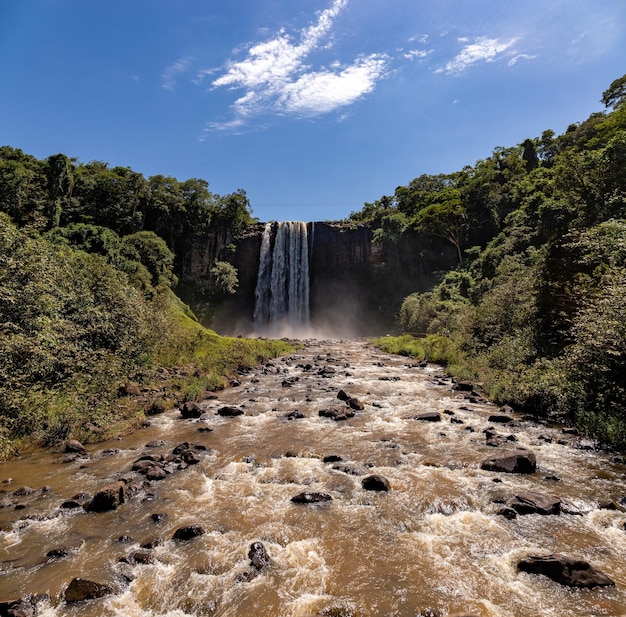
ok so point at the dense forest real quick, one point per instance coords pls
(535, 310)
(87, 266)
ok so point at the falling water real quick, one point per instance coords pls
(282, 290)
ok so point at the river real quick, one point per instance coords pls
(436, 539)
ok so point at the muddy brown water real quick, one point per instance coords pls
(434, 540)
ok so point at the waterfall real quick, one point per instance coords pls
(282, 288)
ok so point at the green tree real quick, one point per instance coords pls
(224, 277)
(446, 218)
(615, 95)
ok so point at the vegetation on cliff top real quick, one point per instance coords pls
(536, 309)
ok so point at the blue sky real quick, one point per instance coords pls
(313, 107)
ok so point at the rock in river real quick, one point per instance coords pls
(565, 570)
(80, 589)
(308, 497)
(512, 461)
(375, 483)
(107, 498)
(529, 502)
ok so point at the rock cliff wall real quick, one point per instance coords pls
(356, 287)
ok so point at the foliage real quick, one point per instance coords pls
(537, 309)
(225, 277)
(73, 328)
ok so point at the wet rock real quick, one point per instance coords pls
(337, 414)
(125, 539)
(376, 482)
(355, 403)
(509, 513)
(23, 491)
(74, 446)
(428, 612)
(529, 502)
(70, 504)
(150, 544)
(294, 415)
(155, 473)
(246, 576)
(139, 558)
(332, 458)
(155, 443)
(493, 439)
(190, 411)
(565, 571)
(258, 556)
(311, 497)
(500, 418)
(187, 533)
(463, 386)
(57, 553)
(287, 383)
(107, 498)
(429, 416)
(142, 465)
(229, 411)
(351, 470)
(80, 589)
(23, 607)
(512, 461)
(342, 395)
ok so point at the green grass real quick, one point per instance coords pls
(432, 348)
(90, 408)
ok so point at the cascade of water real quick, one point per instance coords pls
(282, 289)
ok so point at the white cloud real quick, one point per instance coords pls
(171, 72)
(417, 53)
(515, 59)
(274, 76)
(483, 49)
(322, 92)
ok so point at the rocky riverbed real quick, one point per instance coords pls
(339, 481)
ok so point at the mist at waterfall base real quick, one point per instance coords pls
(283, 289)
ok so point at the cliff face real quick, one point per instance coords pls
(356, 287)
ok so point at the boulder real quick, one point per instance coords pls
(512, 461)
(565, 571)
(107, 498)
(429, 416)
(74, 446)
(81, 589)
(500, 418)
(342, 396)
(337, 414)
(258, 556)
(332, 458)
(190, 410)
(375, 483)
(187, 533)
(493, 439)
(529, 502)
(23, 607)
(355, 403)
(155, 472)
(311, 497)
(463, 386)
(294, 415)
(229, 411)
